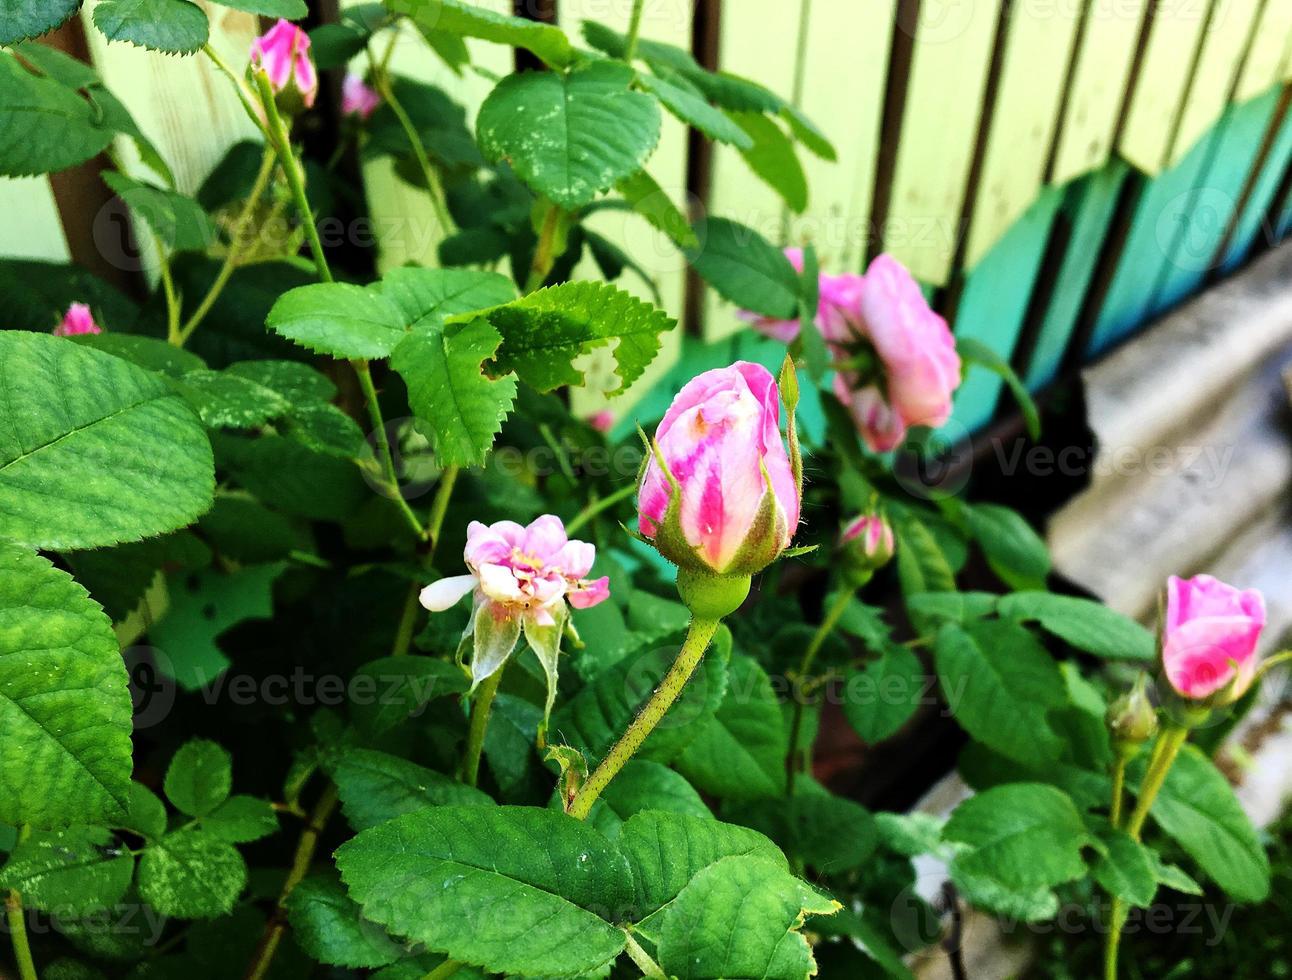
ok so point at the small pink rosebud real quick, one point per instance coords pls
(837, 307)
(358, 98)
(603, 421)
(283, 54)
(1209, 638)
(729, 500)
(867, 543)
(76, 321)
(522, 578)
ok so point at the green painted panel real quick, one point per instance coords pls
(995, 302)
(1089, 205)
(1209, 212)
(1251, 223)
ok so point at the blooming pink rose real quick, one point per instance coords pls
(283, 53)
(917, 354)
(721, 442)
(522, 578)
(357, 97)
(77, 320)
(1209, 637)
(837, 307)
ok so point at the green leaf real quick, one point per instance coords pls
(331, 928)
(124, 458)
(44, 126)
(1000, 683)
(1173, 877)
(226, 401)
(882, 696)
(69, 872)
(570, 136)
(389, 691)
(146, 814)
(613, 43)
(976, 352)
(63, 699)
(544, 332)
(447, 387)
(1127, 871)
(173, 26)
(199, 777)
(922, 566)
(827, 832)
(644, 785)
(745, 268)
(956, 607)
(740, 917)
(667, 850)
(299, 383)
(648, 199)
(1024, 839)
(512, 889)
(732, 91)
(771, 156)
(1087, 625)
(688, 105)
(740, 753)
(177, 220)
(340, 319)
(287, 475)
(21, 19)
(374, 787)
(1197, 807)
(1015, 552)
(910, 834)
(147, 352)
(428, 297)
(241, 820)
(325, 429)
(191, 875)
(806, 132)
(549, 43)
(286, 9)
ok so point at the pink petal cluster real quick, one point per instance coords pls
(522, 578)
(1210, 635)
(76, 321)
(283, 53)
(603, 421)
(871, 535)
(721, 442)
(358, 98)
(883, 316)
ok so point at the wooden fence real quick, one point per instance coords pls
(1057, 172)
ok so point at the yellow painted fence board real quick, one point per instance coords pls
(1038, 47)
(953, 46)
(1266, 57)
(32, 228)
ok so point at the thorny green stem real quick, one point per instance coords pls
(832, 617)
(248, 103)
(384, 455)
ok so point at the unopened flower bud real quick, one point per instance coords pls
(283, 54)
(1132, 719)
(867, 545)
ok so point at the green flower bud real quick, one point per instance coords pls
(1132, 719)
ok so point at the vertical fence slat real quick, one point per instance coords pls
(1227, 39)
(843, 75)
(669, 21)
(1251, 223)
(953, 48)
(758, 41)
(1098, 86)
(1089, 206)
(995, 300)
(1173, 40)
(1037, 50)
(31, 227)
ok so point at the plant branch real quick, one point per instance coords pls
(481, 709)
(18, 936)
(239, 86)
(697, 640)
(172, 298)
(598, 507)
(634, 29)
(544, 259)
(642, 959)
(384, 455)
(241, 228)
(832, 617)
(445, 969)
(1119, 790)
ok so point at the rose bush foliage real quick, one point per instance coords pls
(223, 503)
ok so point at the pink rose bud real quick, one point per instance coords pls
(868, 545)
(1209, 638)
(357, 97)
(283, 54)
(522, 578)
(837, 308)
(918, 368)
(603, 421)
(76, 321)
(720, 494)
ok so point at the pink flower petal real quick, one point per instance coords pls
(446, 593)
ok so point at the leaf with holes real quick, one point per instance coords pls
(44, 125)
(171, 26)
(340, 319)
(514, 889)
(544, 332)
(744, 267)
(471, 20)
(63, 698)
(570, 136)
(21, 19)
(447, 387)
(93, 451)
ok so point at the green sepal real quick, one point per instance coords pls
(709, 595)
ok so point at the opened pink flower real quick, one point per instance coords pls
(1210, 637)
(283, 53)
(76, 321)
(722, 444)
(358, 98)
(522, 578)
